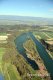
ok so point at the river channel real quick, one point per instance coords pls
(48, 62)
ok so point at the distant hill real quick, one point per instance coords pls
(25, 20)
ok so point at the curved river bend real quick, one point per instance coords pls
(19, 43)
(48, 62)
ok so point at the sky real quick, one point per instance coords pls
(33, 8)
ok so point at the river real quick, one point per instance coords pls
(19, 43)
(48, 62)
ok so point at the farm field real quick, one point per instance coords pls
(50, 34)
(44, 35)
(2, 52)
(41, 35)
(6, 69)
(11, 72)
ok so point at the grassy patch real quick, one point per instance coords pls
(49, 34)
(13, 74)
(41, 34)
(3, 33)
(2, 51)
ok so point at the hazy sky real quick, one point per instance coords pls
(35, 8)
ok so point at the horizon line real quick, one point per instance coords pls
(27, 16)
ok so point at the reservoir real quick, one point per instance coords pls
(48, 62)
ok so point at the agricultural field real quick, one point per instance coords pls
(2, 48)
(50, 34)
(40, 35)
(11, 72)
(7, 70)
(45, 34)
(3, 38)
(2, 52)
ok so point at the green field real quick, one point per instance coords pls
(50, 34)
(12, 73)
(2, 33)
(41, 34)
(2, 51)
